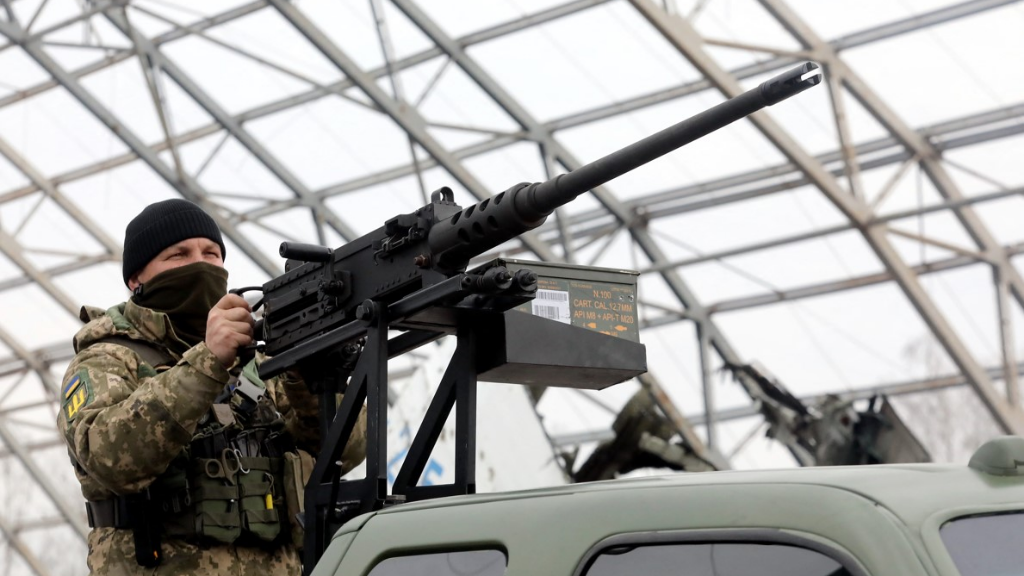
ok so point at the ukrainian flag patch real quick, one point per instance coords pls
(76, 394)
(72, 386)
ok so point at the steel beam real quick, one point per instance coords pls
(14, 252)
(1006, 337)
(846, 145)
(707, 381)
(964, 126)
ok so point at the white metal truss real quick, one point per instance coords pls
(837, 173)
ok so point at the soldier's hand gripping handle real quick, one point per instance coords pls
(228, 327)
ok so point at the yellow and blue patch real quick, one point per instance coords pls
(76, 394)
(72, 386)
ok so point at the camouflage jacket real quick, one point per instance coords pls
(125, 421)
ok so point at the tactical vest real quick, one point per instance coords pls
(234, 483)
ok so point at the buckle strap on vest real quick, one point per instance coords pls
(122, 512)
(111, 513)
(150, 353)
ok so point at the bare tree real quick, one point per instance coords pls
(951, 423)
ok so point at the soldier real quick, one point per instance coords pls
(188, 461)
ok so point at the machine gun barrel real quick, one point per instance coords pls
(524, 207)
(321, 290)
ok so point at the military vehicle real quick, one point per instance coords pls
(881, 520)
(333, 315)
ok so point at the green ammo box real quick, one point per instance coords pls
(599, 299)
(580, 331)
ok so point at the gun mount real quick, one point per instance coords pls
(410, 275)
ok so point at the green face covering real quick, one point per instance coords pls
(186, 294)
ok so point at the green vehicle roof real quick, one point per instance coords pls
(911, 491)
(886, 517)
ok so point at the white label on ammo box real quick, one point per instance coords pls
(552, 304)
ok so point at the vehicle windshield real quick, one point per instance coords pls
(986, 545)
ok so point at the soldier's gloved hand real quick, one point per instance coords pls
(228, 326)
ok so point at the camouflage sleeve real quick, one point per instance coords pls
(300, 409)
(355, 450)
(124, 428)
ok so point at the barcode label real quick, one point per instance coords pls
(546, 311)
(552, 304)
(555, 295)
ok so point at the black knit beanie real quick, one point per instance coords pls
(161, 225)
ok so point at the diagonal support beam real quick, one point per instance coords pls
(685, 38)
(1006, 337)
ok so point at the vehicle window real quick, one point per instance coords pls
(732, 559)
(465, 563)
(986, 545)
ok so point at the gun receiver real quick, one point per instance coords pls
(322, 289)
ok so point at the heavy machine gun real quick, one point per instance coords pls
(411, 275)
